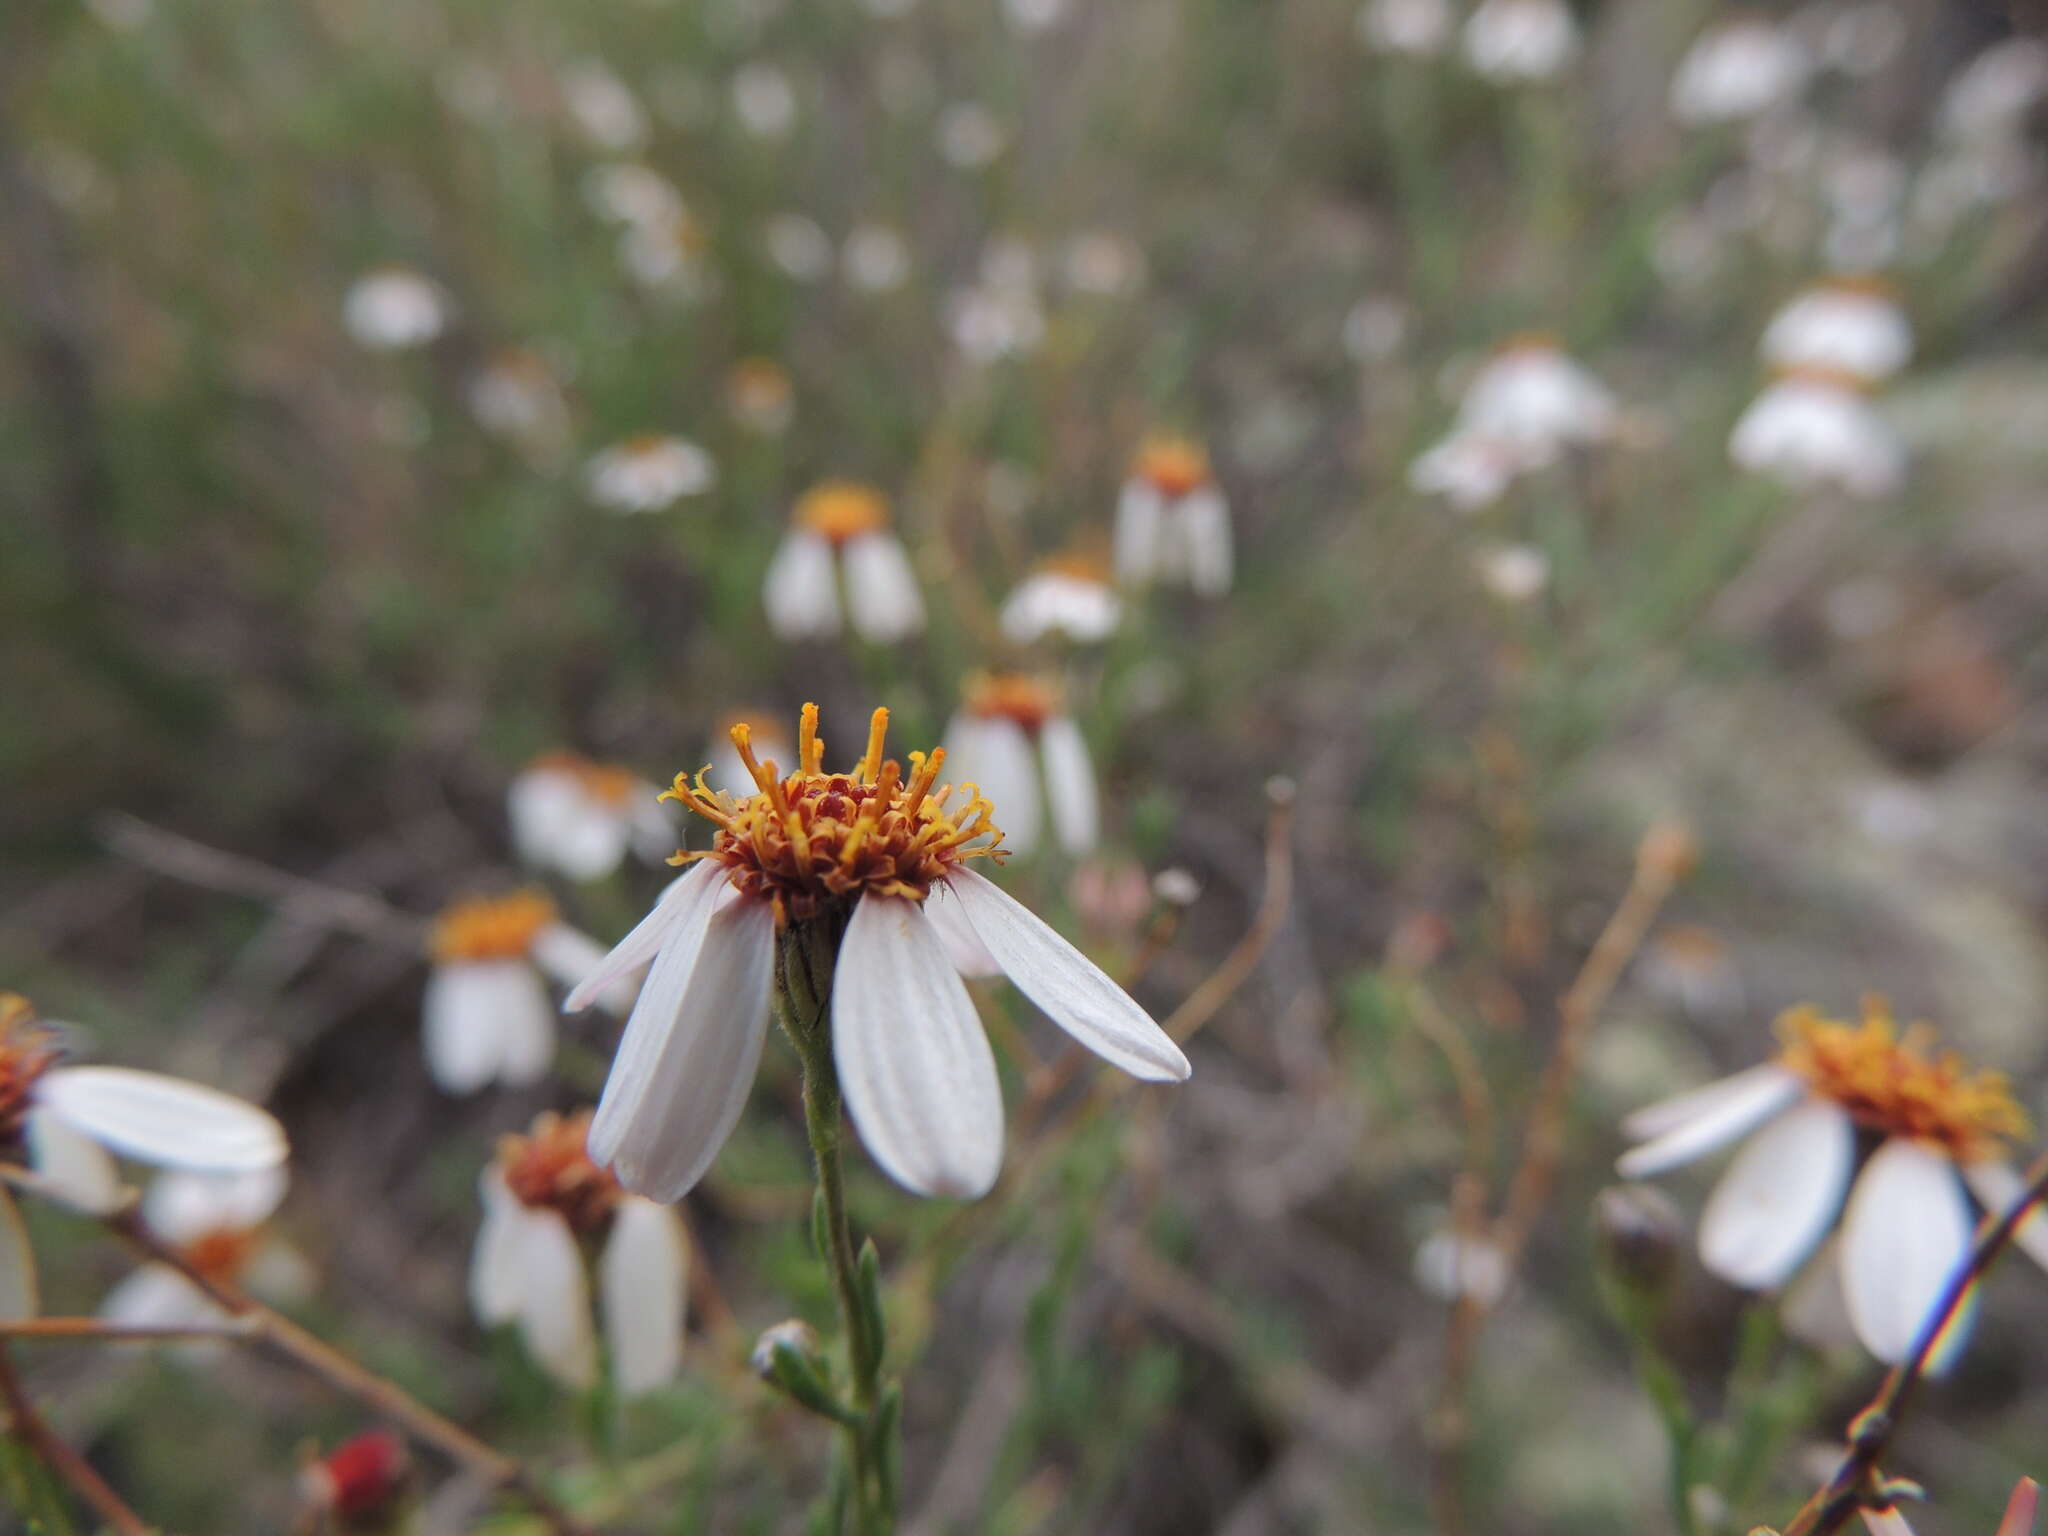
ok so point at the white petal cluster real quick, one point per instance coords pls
(1521, 40)
(814, 586)
(394, 308)
(1080, 608)
(561, 822)
(646, 474)
(1838, 328)
(1175, 540)
(1033, 774)
(1817, 432)
(1737, 70)
(1524, 407)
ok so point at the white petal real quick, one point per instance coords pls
(1886, 1522)
(566, 957)
(1653, 1120)
(1202, 522)
(1906, 1232)
(881, 589)
(526, 1047)
(643, 1281)
(1072, 990)
(496, 1279)
(1139, 512)
(798, 591)
(540, 805)
(157, 1296)
(78, 1169)
(672, 1105)
(650, 826)
(478, 1022)
(554, 1300)
(1779, 1197)
(1069, 785)
(1720, 1113)
(686, 899)
(589, 844)
(17, 1265)
(915, 1065)
(182, 1207)
(964, 948)
(1998, 1187)
(996, 757)
(166, 1120)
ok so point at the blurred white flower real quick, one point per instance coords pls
(648, 473)
(1012, 740)
(1514, 573)
(1102, 264)
(760, 396)
(1991, 96)
(1531, 392)
(666, 254)
(1471, 469)
(216, 1223)
(989, 323)
(1852, 327)
(839, 538)
(392, 308)
(604, 110)
(1510, 40)
(1070, 595)
(1812, 430)
(629, 193)
(543, 1199)
(799, 247)
(1172, 521)
(1739, 69)
(1033, 15)
(1421, 27)
(970, 137)
(1177, 887)
(1907, 1224)
(1458, 1268)
(486, 1015)
(875, 258)
(580, 818)
(123, 15)
(764, 101)
(516, 395)
(915, 1067)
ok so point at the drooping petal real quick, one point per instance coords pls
(1140, 510)
(1072, 990)
(882, 596)
(157, 1296)
(685, 900)
(643, 1281)
(182, 1207)
(1653, 1120)
(663, 1130)
(496, 1280)
(77, 1169)
(540, 805)
(166, 1120)
(1069, 785)
(1906, 1232)
(1779, 1196)
(964, 948)
(589, 843)
(526, 1046)
(798, 591)
(477, 1016)
(919, 1077)
(1998, 1187)
(17, 1265)
(564, 955)
(1723, 1115)
(1202, 525)
(995, 756)
(554, 1300)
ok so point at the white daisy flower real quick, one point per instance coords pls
(1532, 393)
(667, 254)
(1172, 522)
(393, 308)
(883, 862)
(1851, 326)
(875, 258)
(1514, 573)
(517, 396)
(602, 106)
(1739, 69)
(991, 321)
(547, 1209)
(1813, 429)
(1071, 595)
(1511, 40)
(1907, 1225)
(764, 101)
(486, 1015)
(799, 246)
(648, 473)
(581, 818)
(760, 396)
(970, 136)
(840, 549)
(1472, 469)
(1418, 27)
(624, 192)
(1012, 739)
(1029, 16)
(216, 1223)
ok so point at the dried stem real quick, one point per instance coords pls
(54, 1452)
(1836, 1502)
(99, 1330)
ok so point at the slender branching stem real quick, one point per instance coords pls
(33, 1431)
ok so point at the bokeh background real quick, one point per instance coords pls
(313, 603)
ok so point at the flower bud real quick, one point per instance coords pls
(1638, 1233)
(788, 1357)
(362, 1483)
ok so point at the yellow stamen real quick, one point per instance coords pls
(871, 760)
(810, 751)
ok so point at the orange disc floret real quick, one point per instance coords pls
(490, 927)
(1173, 466)
(810, 840)
(841, 510)
(1895, 1084)
(549, 1168)
(1022, 697)
(26, 1053)
(1077, 565)
(221, 1255)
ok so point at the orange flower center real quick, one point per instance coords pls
(841, 510)
(1029, 701)
(1829, 378)
(1077, 565)
(810, 840)
(26, 1053)
(490, 927)
(1173, 466)
(759, 384)
(549, 1168)
(221, 1255)
(1894, 1084)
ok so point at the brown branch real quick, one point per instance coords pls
(54, 1452)
(1836, 1502)
(99, 1330)
(339, 1371)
